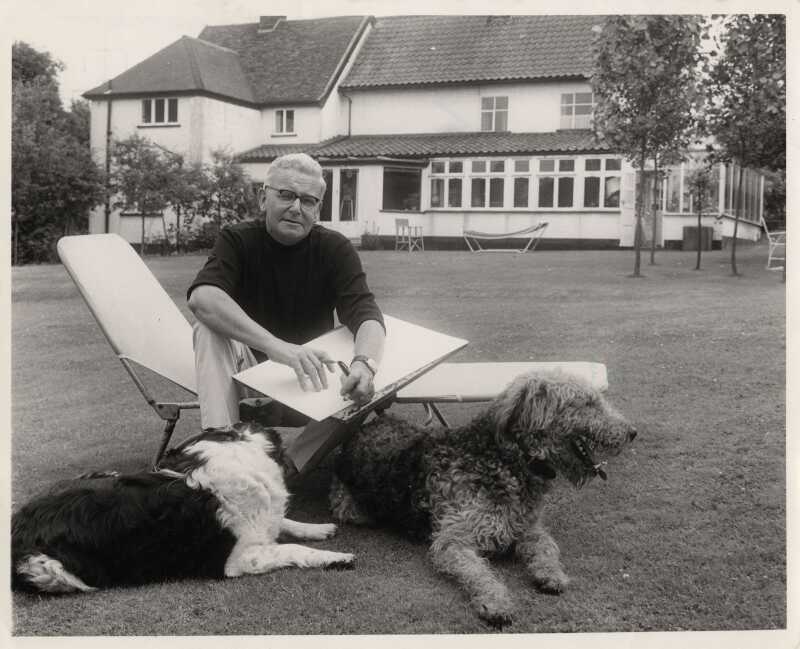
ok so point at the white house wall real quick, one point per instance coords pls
(533, 107)
(307, 125)
(228, 126)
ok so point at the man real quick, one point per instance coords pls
(268, 288)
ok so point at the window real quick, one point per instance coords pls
(401, 188)
(599, 188)
(284, 122)
(447, 183)
(161, 110)
(494, 113)
(576, 109)
(577, 182)
(558, 186)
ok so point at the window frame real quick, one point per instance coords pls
(569, 124)
(151, 111)
(280, 120)
(514, 169)
(493, 113)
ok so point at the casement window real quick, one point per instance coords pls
(556, 182)
(576, 109)
(401, 188)
(532, 184)
(487, 183)
(160, 110)
(284, 122)
(601, 182)
(494, 113)
(447, 183)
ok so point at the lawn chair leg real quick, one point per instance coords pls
(165, 437)
(430, 411)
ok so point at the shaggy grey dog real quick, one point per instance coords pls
(478, 490)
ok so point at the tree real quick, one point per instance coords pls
(79, 121)
(699, 180)
(645, 81)
(29, 65)
(232, 198)
(54, 181)
(746, 91)
(143, 175)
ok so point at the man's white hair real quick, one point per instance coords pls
(298, 161)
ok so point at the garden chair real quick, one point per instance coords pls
(408, 236)
(777, 244)
(532, 236)
(146, 329)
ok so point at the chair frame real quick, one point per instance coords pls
(776, 240)
(534, 234)
(408, 236)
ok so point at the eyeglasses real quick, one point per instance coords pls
(307, 202)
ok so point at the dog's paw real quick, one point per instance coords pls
(496, 612)
(321, 531)
(552, 582)
(347, 562)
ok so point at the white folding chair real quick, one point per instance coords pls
(408, 236)
(777, 241)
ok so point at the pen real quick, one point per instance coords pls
(344, 368)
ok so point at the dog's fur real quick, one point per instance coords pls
(214, 509)
(478, 490)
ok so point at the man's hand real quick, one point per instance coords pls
(357, 385)
(309, 364)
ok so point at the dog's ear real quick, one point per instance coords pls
(525, 405)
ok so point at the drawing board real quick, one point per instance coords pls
(409, 351)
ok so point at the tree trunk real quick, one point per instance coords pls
(737, 209)
(15, 236)
(166, 236)
(637, 236)
(699, 232)
(656, 184)
(178, 231)
(141, 251)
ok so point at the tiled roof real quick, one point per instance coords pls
(188, 64)
(425, 145)
(415, 50)
(297, 62)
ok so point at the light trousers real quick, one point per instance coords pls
(217, 359)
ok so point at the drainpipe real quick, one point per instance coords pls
(349, 111)
(108, 163)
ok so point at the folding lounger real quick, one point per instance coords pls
(533, 234)
(145, 328)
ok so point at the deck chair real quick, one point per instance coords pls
(143, 325)
(145, 328)
(532, 236)
(407, 236)
(777, 245)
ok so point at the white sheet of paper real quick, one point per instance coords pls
(408, 348)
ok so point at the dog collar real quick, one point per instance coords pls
(579, 444)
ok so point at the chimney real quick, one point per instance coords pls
(268, 23)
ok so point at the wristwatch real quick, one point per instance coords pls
(372, 366)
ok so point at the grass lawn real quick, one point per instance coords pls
(687, 534)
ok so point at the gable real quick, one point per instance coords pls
(296, 62)
(415, 50)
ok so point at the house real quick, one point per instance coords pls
(455, 122)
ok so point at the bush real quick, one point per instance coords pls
(371, 241)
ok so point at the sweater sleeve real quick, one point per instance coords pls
(223, 268)
(355, 303)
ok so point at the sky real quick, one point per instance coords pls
(99, 39)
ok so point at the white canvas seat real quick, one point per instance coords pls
(408, 236)
(532, 236)
(142, 323)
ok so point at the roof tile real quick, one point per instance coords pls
(424, 145)
(413, 50)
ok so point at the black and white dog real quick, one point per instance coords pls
(214, 509)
